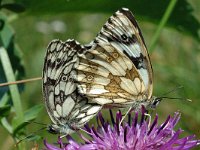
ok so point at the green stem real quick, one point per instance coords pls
(13, 88)
(162, 24)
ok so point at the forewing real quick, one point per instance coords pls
(117, 68)
(64, 105)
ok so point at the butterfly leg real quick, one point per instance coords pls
(130, 108)
(148, 115)
(62, 136)
(85, 131)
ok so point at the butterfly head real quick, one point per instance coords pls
(59, 129)
(155, 101)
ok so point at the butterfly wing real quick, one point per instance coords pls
(117, 68)
(64, 105)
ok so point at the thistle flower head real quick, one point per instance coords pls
(137, 133)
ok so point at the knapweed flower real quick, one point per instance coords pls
(137, 133)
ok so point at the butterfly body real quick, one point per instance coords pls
(113, 71)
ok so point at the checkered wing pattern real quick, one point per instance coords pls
(67, 109)
(116, 70)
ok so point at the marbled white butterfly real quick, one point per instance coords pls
(115, 70)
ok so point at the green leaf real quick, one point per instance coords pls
(6, 125)
(7, 41)
(4, 100)
(29, 115)
(19, 129)
(181, 19)
(4, 110)
(33, 112)
(6, 34)
(13, 7)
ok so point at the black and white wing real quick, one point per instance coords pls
(117, 69)
(67, 109)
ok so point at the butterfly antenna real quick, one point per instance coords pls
(35, 122)
(178, 98)
(173, 90)
(30, 135)
(39, 123)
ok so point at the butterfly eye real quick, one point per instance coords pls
(52, 130)
(156, 102)
(124, 37)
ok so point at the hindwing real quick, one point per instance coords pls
(65, 106)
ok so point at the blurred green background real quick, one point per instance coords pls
(175, 57)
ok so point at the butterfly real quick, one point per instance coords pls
(113, 71)
(67, 109)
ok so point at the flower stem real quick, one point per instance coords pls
(162, 24)
(13, 88)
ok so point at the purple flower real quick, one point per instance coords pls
(137, 133)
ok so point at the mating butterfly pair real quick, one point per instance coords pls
(114, 71)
